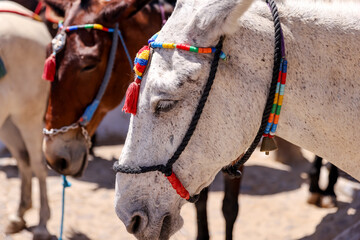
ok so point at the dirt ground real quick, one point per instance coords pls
(272, 203)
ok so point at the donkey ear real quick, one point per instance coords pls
(116, 10)
(58, 6)
(222, 15)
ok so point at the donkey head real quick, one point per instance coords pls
(80, 69)
(169, 95)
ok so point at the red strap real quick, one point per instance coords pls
(38, 8)
(15, 12)
(33, 16)
(176, 184)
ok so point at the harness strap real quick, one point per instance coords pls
(32, 16)
(38, 8)
(90, 110)
(279, 51)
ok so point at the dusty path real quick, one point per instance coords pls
(272, 204)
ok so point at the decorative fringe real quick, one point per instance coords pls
(49, 68)
(132, 95)
(268, 143)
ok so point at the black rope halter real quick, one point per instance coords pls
(233, 169)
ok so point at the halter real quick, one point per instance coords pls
(33, 15)
(58, 44)
(273, 101)
(140, 64)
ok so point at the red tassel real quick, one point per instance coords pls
(132, 95)
(49, 68)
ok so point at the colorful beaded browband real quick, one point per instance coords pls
(86, 26)
(141, 61)
(185, 47)
(59, 41)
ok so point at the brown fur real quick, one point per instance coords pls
(75, 87)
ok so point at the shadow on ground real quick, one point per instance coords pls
(78, 236)
(334, 223)
(262, 180)
(99, 171)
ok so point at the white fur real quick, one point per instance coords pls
(23, 96)
(320, 112)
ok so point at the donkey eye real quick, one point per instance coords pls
(88, 68)
(164, 105)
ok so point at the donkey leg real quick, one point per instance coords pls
(11, 137)
(30, 129)
(329, 198)
(230, 206)
(314, 175)
(201, 215)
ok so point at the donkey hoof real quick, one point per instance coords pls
(41, 233)
(328, 202)
(314, 198)
(16, 224)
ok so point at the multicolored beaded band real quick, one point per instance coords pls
(185, 47)
(86, 26)
(59, 41)
(278, 100)
(141, 61)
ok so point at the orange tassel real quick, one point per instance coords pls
(49, 68)
(132, 95)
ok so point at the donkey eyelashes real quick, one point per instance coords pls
(88, 68)
(89, 63)
(165, 106)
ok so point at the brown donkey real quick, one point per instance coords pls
(80, 69)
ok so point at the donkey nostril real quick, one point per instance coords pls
(62, 164)
(138, 221)
(134, 225)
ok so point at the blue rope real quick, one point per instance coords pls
(65, 184)
(126, 50)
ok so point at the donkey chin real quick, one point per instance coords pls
(66, 153)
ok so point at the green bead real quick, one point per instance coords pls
(273, 109)
(278, 109)
(194, 49)
(88, 26)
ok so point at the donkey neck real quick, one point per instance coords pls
(322, 99)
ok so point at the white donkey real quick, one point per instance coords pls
(23, 96)
(321, 108)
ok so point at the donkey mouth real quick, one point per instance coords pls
(82, 168)
(61, 166)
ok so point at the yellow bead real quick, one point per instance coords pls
(168, 45)
(98, 26)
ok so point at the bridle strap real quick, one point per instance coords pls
(33, 16)
(279, 50)
(90, 110)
